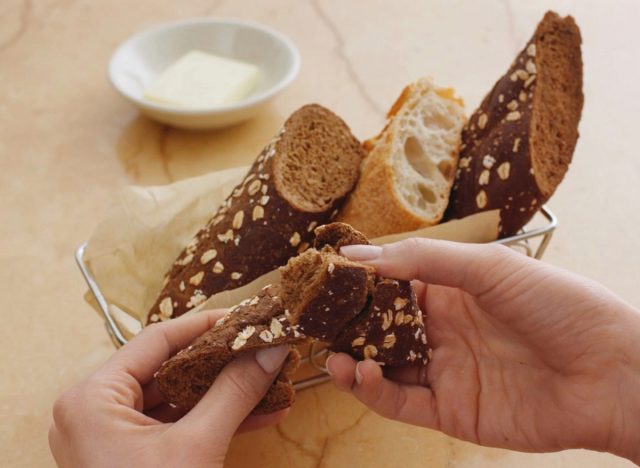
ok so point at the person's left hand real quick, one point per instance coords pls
(116, 417)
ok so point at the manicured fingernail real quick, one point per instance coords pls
(327, 364)
(271, 359)
(358, 373)
(361, 253)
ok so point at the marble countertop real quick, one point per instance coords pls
(68, 143)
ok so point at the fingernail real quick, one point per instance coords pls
(358, 373)
(327, 364)
(361, 253)
(271, 359)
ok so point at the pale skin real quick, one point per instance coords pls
(526, 356)
(116, 418)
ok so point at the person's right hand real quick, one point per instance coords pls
(526, 356)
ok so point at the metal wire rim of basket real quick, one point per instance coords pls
(521, 240)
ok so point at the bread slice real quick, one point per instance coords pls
(516, 148)
(407, 175)
(322, 291)
(298, 181)
(256, 323)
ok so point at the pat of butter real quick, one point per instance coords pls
(199, 79)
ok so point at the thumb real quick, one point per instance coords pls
(234, 394)
(474, 268)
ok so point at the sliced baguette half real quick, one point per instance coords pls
(406, 177)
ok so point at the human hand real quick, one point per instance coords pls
(116, 416)
(526, 356)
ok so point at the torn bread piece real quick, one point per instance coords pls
(388, 327)
(254, 324)
(323, 291)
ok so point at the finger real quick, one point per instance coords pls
(474, 268)
(342, 369)
(234, 394)
(411, 404)
(144, 354)
(260, 421)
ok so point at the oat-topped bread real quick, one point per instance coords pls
(407, 175)
(390, 330)
(322, 291)
(256, 323)
(517, 146)
(377, 318)
(298, 181)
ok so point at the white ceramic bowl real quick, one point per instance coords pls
(139, 60)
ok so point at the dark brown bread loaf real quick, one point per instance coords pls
(297, 182)
(390, 330)
(323, 291)
(255, 323)
(517, 146)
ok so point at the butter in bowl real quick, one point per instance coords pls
(204, 73)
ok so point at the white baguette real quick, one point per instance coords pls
(407, 175)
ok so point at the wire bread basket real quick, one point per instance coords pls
(532, 242)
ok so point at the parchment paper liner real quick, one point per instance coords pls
(147, 228)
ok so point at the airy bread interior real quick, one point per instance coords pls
(319, 160)
(423, 138)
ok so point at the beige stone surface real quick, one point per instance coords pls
(68, 142)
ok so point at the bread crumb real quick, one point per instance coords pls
(237, 220)
(531, 50)
(254, 187)
(295, 239)
(389, 341)
(358, 341)
(484, 177)
(197, 278)
(207, 256)
(481, 199)
(370, 351)
(488, 161)
(166, 307)
(482, 121)
(503, 170)
(258, 213)
(531, 67)
(512, 116)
